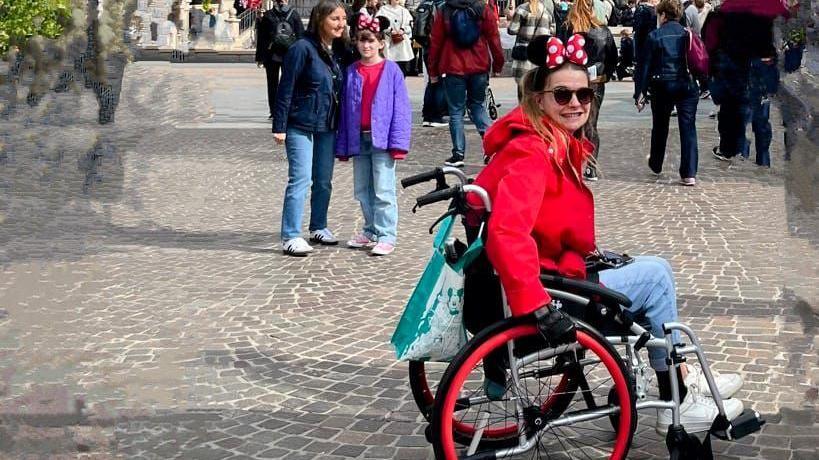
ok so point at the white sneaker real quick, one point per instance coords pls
(438, 124)
(323, 236)
(296, 247)
(697, 412)
(727, 384)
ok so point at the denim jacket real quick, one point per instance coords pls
(665, 57)
(309, 89)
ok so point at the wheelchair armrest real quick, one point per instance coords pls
(587, 288)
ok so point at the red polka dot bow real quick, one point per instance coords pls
(367, 22)
(557, 53)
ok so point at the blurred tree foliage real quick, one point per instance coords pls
(22, 19)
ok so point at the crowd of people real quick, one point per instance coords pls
(339, 93)
(742, 75)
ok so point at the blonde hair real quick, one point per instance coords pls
(534, 7)
(581, 17)
(549, 132)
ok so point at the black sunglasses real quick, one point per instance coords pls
(564, 95)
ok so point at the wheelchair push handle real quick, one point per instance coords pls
(421, 178)
(437, 174)
(439, 195)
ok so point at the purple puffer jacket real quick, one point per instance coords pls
(391, 115)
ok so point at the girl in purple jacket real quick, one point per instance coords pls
(376, 118)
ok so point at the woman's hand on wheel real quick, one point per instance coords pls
(279, 137)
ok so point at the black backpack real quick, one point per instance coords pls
(464, 18)
(422, 24)
(282, 34)
(616, 16)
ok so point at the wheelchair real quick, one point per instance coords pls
(577, 400)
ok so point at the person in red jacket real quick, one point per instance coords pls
(464, 47)
(543, 220)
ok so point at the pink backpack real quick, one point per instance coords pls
(696, 55)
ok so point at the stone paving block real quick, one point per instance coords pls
(241, 430)
(296, 428)
(337, 422)
(412, 441)
(293, 442)
(408, 453)
(350, 437)
(298, 456)
(272, 453)
(399, 428)
(205, 453)
(321, 447)
(322, 433)
(229, 443)
(380, 452)
(775, 454)
(368, 426)
(251, 448)
(805, 454)
(349, 451)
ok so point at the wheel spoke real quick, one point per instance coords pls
(547, 388)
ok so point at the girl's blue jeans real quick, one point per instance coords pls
(374, 184)
(649, 283)
(310, 162)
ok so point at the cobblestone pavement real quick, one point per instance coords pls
(146, 312)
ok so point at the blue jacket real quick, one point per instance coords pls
(665, 57)
(309, 89)
(391, 121)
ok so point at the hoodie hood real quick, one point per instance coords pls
(509, 128)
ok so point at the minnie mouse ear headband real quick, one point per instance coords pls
(551, 52)
(374, 24)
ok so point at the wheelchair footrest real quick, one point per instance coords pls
(748, 422)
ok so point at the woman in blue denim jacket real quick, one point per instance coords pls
(306, 119)
(664, 75)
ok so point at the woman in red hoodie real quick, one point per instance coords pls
(543, 219)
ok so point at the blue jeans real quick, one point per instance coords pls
(664, 97)
(649, 283)
(309, 161)
(374, 184)
(758, 113)
(466, 92)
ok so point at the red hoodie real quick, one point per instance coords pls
(542, 218)
(446, 58)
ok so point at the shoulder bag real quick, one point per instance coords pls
(398, 37)
(519, 52)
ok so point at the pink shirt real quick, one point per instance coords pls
(371, 74)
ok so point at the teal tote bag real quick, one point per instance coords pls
(431, 327)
